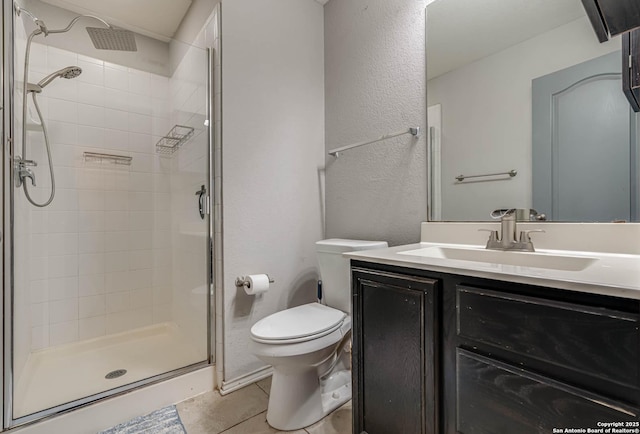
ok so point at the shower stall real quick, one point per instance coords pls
(109, 137)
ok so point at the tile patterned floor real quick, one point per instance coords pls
(245, 412)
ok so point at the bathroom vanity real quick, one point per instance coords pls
(444, 344)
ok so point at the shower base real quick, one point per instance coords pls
(70, 372)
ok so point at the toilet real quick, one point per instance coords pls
(306, 344)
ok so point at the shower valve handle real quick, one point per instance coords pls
(23, 172)
(27, 173)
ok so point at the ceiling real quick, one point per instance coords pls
(463, 31)
(158, 19)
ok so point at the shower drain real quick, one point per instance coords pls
(115, 374)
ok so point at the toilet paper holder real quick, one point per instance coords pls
(243, 281)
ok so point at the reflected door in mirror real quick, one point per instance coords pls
(580, 111)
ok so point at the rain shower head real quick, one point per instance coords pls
(68, 73)
(112, 38)
(107, 38)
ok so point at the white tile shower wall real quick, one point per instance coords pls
(100, 255)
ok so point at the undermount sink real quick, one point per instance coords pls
(522, 259)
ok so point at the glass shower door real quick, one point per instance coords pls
(111, 280)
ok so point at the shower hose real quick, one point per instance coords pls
(44, 131)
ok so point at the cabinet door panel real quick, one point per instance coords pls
(392, 355)
(612, 16)
(496, 398)
(394, 361)
(597, 342)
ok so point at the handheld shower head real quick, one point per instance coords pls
(68, 73)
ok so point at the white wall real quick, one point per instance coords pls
(486, 117)
(273, 153)
(375, 85)
(190, 29)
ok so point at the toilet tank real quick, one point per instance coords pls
(334, 269)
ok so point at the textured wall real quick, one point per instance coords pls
(375, 85)
(272, 147)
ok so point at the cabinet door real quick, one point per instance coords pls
(612, 17)
(498, 398)
(577, 342)
(394, 353)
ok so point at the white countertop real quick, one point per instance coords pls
(612, 274)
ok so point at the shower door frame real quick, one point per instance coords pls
(7, 106)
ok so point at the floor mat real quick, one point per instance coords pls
(163, 421)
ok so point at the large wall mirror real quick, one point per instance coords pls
(526, 110)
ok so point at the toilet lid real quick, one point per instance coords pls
(298, 322)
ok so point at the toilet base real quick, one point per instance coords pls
(302, 399)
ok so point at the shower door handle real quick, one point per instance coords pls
(202, 196)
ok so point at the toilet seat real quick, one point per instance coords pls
(298, 324)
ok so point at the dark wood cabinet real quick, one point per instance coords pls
(498, 357)
(631, 68)
(528, 363)
(495, 397)
(612, 17)
(394, 353)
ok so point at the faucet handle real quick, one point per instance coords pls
(28, 173)
(493, 235)
(492, 242)
(525, 237)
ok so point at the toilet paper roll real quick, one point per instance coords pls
(256, 284)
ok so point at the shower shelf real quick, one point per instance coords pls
(117, 159)
(177, 137)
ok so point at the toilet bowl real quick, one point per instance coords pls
(298, 398)
(307, 345)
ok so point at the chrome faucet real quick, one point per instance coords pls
(507, 239)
